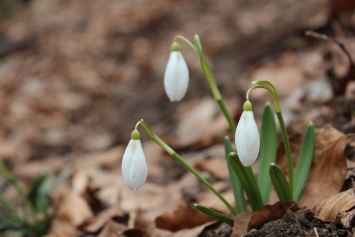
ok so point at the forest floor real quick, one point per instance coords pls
(76, 76)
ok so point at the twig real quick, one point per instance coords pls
(132, 219)
(316, 35)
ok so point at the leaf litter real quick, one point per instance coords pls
(91, 65)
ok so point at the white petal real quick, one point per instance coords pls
(247, 139)
(134, 166)
(176, 78)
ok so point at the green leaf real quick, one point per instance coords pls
(280, 183)
(214, 214)
(42, 227)
(8, 209)
(248, 181)
(38, 193)
(9, 176)
(236, 185)
(268, 151)
(304, 161)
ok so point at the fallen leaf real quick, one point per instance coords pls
(216, 165)
(269, 213)
(276, 74)
(184, 217)
(338, 208)
(101, 219)
(196, 231)
(112, 229)
(329, 167)
(241, 222)
(74, 209)
(201, 122)
(347, 218)
(61, 228)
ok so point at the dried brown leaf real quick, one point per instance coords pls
(201, 122)
(184, 217)
(329, 167)
(101, 219)
(269, 213)
(196, 231)
(241, 222)
(74, 209)
(112, 229)
(61, 228)
(215, 166)
(337, 208)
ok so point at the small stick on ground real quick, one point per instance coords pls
(316, 35)
(132, 219)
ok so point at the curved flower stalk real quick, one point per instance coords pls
(273, 94)
(247, 139)
(135, 170)
(176, 78)
(197, 47)
(134, 166)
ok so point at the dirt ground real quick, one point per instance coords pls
(76, 76)
(299, 224)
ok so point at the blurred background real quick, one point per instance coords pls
(76, 76)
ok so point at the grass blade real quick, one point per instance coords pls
(236, 185)
(304, 161)
(214, 214)
(280, 183)
(247, 180)
(268, 150)
(6, 173)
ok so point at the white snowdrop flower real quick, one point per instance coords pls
(134, 166)
(176, 78)
(247, 138)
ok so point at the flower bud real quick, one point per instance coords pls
(176, 78)
(247, 138)
(134, 166)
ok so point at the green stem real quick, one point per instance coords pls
(207, 70)
(171, 152)
(210, 78)
(273, 94)
(227, 115)
(287, 149)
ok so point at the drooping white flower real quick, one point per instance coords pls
(247, 138)
(176, 78)
(134, 166)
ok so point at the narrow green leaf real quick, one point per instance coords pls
(38, 193)
(214, 214)
(42, 227)
(268, 150)
(8, 175)
(248, 181)
(304, 161)
(8, 209)
(280, 183)
(236, 185)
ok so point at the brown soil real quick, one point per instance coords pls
(299, 224)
